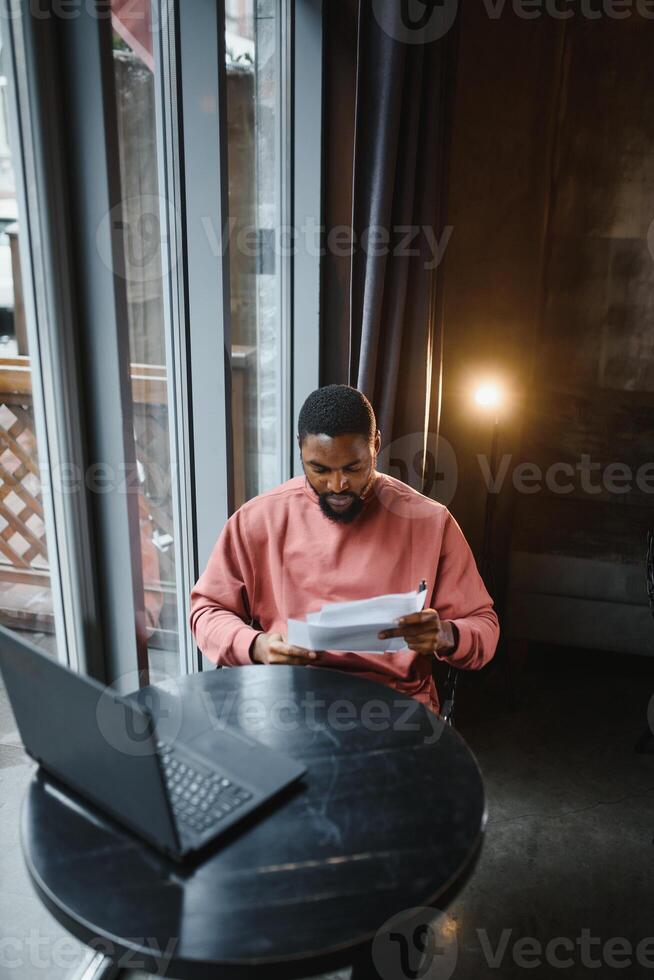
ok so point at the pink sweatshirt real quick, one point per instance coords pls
(279, 557)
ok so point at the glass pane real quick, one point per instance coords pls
(26, 596)
(145, 255)
(253, 125)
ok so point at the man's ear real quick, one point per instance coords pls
(377, 441)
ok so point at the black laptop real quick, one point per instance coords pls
(177, 794)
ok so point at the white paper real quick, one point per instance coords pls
(353, 626)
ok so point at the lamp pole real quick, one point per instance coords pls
(487, 557)
(486, 550)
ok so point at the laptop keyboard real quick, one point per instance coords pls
(199, 798)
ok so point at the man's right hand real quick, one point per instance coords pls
(272, 648)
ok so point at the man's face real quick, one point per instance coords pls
(340, 469)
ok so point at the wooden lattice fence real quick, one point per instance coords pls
(24, 569)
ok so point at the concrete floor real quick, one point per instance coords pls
(568, 856)
(32, 945)
(569, 844)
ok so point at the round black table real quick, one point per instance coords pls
(389, 817)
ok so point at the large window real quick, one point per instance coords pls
(28, 601)
(148, 260)
(163, 343)
(260, 247)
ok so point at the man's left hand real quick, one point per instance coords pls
(425, 632)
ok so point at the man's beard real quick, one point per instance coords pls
(341, 517)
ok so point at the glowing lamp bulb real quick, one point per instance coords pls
(488, 395)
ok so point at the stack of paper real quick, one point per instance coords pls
(354, 625)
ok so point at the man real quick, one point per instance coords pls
(341, 532)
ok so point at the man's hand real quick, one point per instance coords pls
(425, 632)
(272, 648)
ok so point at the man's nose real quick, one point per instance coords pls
(337, 483)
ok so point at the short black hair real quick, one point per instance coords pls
(337, 410)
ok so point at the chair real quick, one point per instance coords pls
(645, 743)
(446, 678)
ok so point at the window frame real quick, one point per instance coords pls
(35, 121)
(307, 204)
(80, 321)
(299, 66)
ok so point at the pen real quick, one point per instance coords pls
(421, 588)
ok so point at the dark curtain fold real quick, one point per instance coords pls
(401, 142)
(339, 85)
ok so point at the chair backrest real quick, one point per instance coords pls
(649, 570)
(446, 678)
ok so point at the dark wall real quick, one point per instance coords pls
(550, 283)
(549, 286)
(498, 193)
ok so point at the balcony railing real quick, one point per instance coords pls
(25, 599)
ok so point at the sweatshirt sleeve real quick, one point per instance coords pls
(461, 596)
(221, 598)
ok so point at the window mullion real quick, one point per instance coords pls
(99, 270)
(202, 60)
